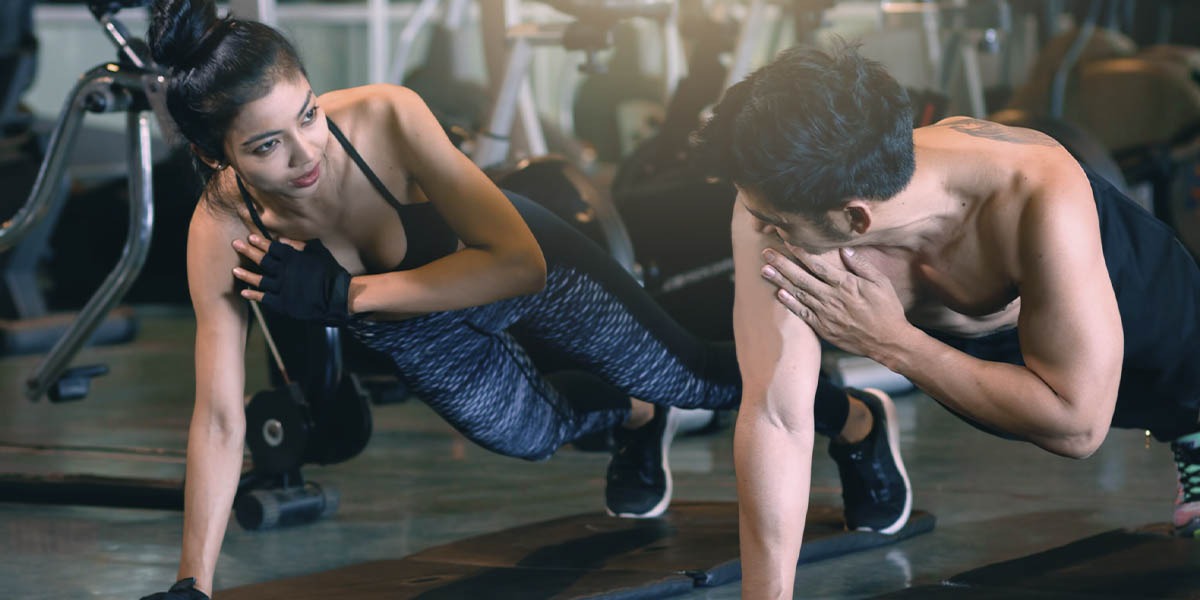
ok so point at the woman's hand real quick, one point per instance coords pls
(299, 279)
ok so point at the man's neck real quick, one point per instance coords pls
(940, 196)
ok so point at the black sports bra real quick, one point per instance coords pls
(429, 237)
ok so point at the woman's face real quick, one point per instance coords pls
(277, 143)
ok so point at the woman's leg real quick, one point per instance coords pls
(484, 384)
(595, 317)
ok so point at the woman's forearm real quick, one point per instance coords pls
(469, 277)
(214, 463)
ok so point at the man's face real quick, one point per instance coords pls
(813, 236)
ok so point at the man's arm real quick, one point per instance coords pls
(1070, 328)
(779, 358)
(1070, 333)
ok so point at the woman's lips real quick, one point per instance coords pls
(308, 178)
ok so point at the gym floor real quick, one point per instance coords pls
(420, 484)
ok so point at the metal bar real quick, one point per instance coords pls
(455, 14)
(492, 148)
(133, 257)
(1058, 87)
(931, 23)
(421, 17)
(58, 151)
(674, 55)
(377, 40)
(531, 122)
(1166, 13)
(262, 11)
(747, 42)
(973, 79)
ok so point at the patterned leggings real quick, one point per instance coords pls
(526, 375)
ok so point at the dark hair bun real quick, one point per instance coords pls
(177, 28)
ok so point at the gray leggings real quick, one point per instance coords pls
(526, 375)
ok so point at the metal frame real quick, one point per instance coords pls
(112, 87)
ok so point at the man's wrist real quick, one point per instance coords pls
(900, 351)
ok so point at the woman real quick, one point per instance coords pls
(417, 253)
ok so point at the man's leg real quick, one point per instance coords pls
(864, 440)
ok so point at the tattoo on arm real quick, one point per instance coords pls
(1000, 133)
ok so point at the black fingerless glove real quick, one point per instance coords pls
(308, 285)
(184, 589)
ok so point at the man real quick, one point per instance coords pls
(1019, 290)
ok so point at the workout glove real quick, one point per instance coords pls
(184, 589)
(308, 285)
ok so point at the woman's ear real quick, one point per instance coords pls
(212, 163)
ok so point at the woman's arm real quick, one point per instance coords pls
(217, 432)
(779, 357)
(501, 259)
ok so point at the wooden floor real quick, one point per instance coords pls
(420, 484)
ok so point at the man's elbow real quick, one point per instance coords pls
(1082, 445)
(1085, 440)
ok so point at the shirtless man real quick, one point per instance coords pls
(983, 262)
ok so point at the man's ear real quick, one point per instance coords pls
(858, 216)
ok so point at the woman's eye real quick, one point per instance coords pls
(310, 115)
(265, 147)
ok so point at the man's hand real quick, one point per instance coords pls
(853, 307)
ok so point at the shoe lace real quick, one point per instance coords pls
(1187, 460)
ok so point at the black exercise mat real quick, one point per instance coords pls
(572, 557)
(949, 592)
(1122, 563)
(696, 538)
(409, 579)
(1116, 565)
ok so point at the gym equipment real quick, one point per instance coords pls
(26, 324)
(1123, 563)
(657, 191)
(270, 496)
(1143, 108)
(133, 86)
(327, 421)
(18, 62)
(583, 556)
(442, 81)
(590, 32)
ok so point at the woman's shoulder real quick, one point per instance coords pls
(375, 104)
(220, 207)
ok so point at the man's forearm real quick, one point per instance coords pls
(1006, 397)
(774, 465)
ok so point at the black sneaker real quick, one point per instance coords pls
(876, 494)
(639, 478)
